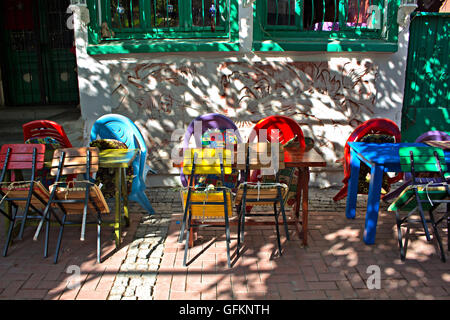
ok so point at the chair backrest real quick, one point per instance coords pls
(20, 156)
(257, 156)
(422, 159)
(46, 128)
(207, 161)
(372, 126)
(208, 121)
(118, 127)
(433, 135)
(73, 161)
(287, 129)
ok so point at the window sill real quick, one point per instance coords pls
(326, 46)
(166, 45)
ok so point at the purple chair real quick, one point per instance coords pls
(208, 121)
(427, 136)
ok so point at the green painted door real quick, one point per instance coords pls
(427, 95)
(38, 57)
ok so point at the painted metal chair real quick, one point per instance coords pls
(75, 197)
(30, 196)
(208, 122)
(202, 204)
(46, 128)
(419, 197)
(118, 127)
(260, 194)
(427, 136)
(378, 126)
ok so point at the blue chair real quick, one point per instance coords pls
(118, 127)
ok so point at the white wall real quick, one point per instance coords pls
(328, 93)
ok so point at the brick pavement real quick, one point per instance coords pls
(149, 265)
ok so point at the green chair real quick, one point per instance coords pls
(422, 161)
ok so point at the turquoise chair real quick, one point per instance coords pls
(118, 127)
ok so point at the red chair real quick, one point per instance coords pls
(46, 128)
(287, 130)
(372, 126)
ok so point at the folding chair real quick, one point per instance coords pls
(261, 194)
(22, 194)
(75, 197)
(421, 197)
(203, 203)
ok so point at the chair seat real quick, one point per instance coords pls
(78, 193)
(209, 211)
(406, 201)
(20, 189)
(260, 192)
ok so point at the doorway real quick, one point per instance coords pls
(37, 54)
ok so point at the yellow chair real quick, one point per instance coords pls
(202, 203)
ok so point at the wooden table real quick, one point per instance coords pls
(303, 160)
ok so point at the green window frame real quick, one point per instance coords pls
(177, 29)
(325, 25)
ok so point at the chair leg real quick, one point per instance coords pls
(186, 247)
(10, 231)
(227, 233)
(286, 229)
(244, 210)
(275, 213)
(99, 231)
(422, 217)
(437, 236)
(58, 245)
(400, 237)
(239, 212)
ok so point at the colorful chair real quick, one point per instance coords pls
(118, 127)
(209, 122)
(288, 132)
(201, 204)
(420, 197)
(373, 127)
(427, 136)
(24, 195)
(42, 129)
(260, 194)
(75, 197)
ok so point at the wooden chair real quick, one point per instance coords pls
(261, 194)
(419, 197)
(75, 197)
(24, 195)
(202, 204)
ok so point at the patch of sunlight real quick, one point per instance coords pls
(345, 233)
(446, 277)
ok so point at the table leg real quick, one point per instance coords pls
(373, 204)
(298, 200)
(305, 192)
(125, 197)
(117, 221)
(352, 188)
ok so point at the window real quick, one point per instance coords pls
(163, 19)
(317, 23)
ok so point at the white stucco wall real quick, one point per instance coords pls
(328, 93)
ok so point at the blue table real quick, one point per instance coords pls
(380, 157)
